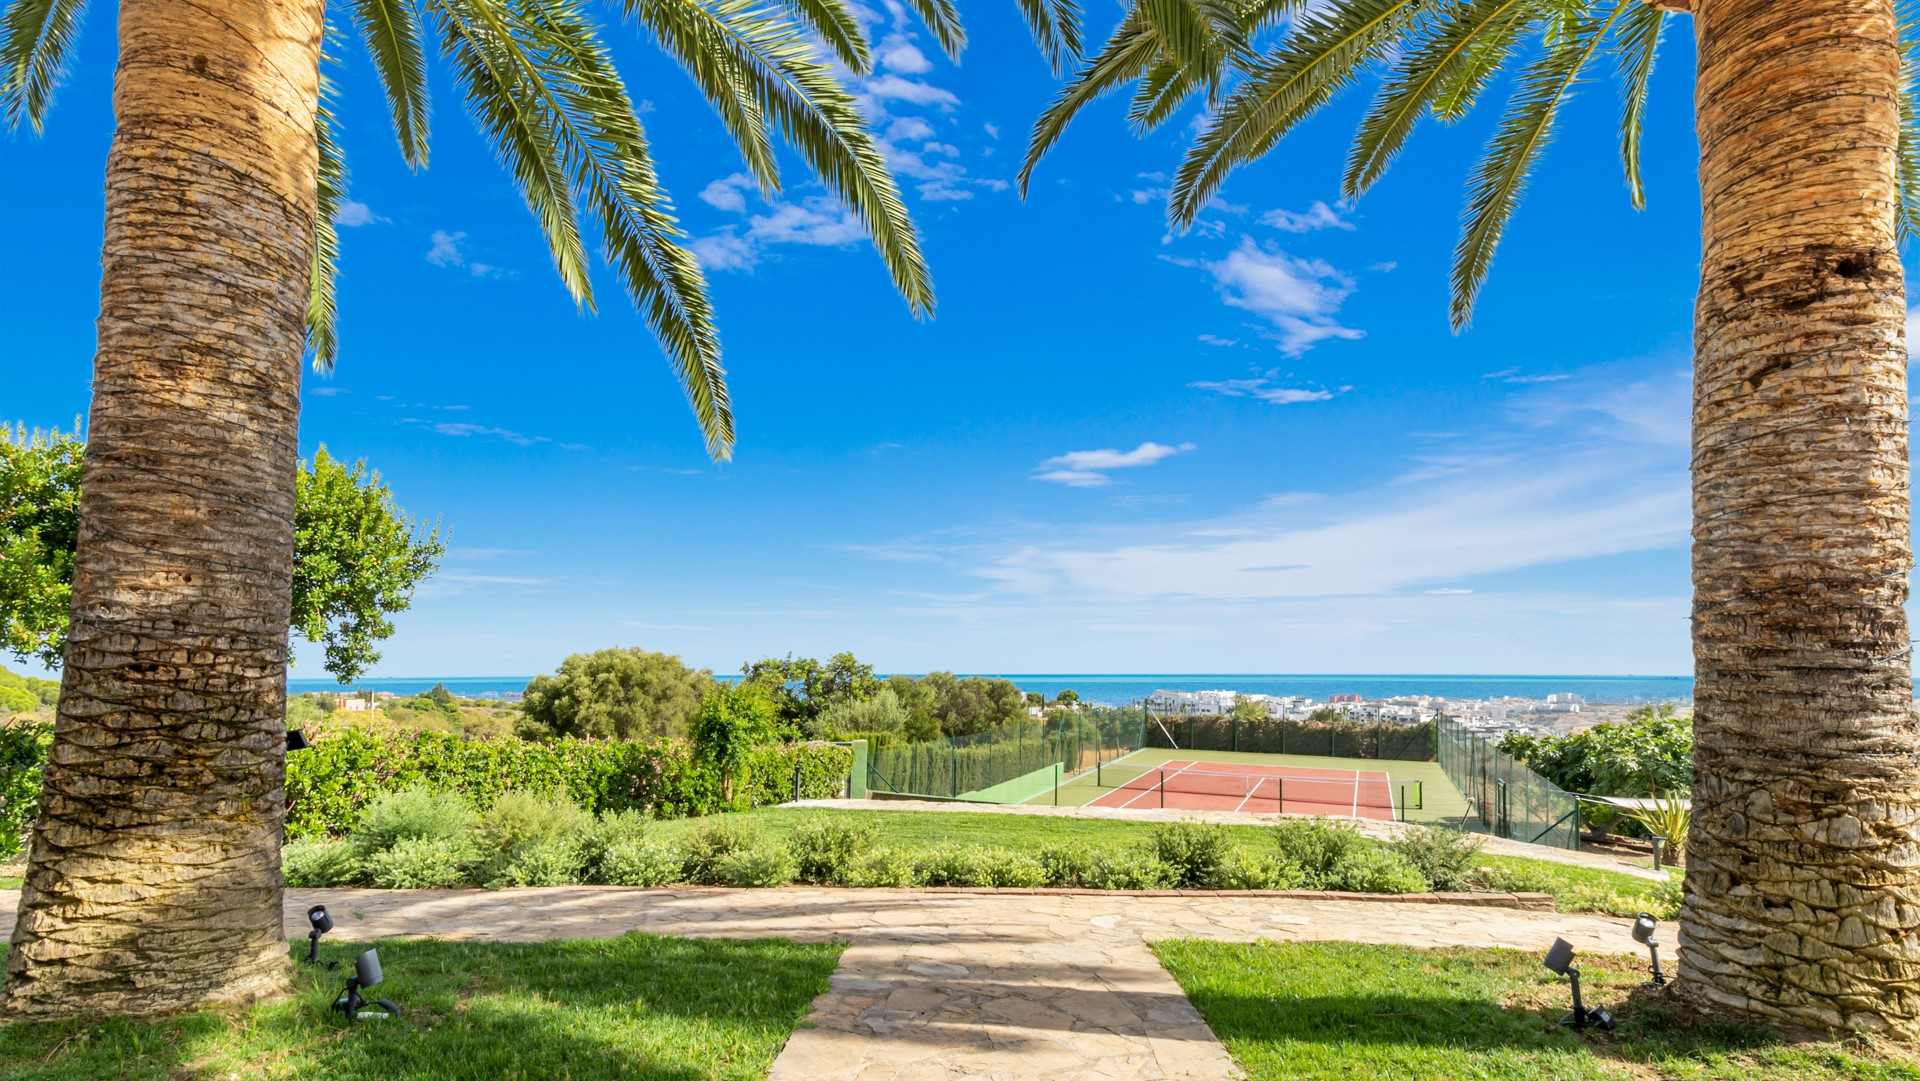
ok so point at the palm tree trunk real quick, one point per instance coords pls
(153, 880)
(1803, 876)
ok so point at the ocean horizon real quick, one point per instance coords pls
(1112, 689)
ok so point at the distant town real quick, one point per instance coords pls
(1494, 716)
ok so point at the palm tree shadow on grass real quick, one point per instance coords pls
(634, 1007)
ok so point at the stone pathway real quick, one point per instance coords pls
(959, 985)
(949, 985)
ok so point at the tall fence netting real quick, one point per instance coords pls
(1504, 797)
(952, 768)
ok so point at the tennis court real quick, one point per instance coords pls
(1264, 784)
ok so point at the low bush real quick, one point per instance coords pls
(1196, 851)
(614, 830)
(416, 813)
(533, 839)
(319, 862)
(1446, 858)
(640, 861)
(1245, 870)
(950, 865)
(827, 848)
(759, 866)
(1315, 847)
(420, 863)
(1070, 868)
(1129, 869)
(1374, 869)
(1009, 869)
(882, 867)
(716, 839)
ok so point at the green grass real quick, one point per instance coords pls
(1575, 889)
(1342, 1012)
(639, 1006)
(10, 883)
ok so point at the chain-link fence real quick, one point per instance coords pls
(953, 768)
(1504, 797)
(1403, 741)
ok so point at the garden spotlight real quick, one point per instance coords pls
(1643, 926)
(296, 740)
(1559, 961)
(366, 973)
(322, 923)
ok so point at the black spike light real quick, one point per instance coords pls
(1559, 961)
(321, 923)
(366, 974)
(1643, 927)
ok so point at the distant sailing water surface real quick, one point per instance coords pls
(1113, 690)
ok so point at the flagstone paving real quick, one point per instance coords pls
(949, 985)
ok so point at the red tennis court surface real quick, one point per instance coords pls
(1222, 786)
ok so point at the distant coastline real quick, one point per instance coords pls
(1113, 690)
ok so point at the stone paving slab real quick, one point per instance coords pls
(944, 986)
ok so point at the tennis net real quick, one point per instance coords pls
(1258, 791)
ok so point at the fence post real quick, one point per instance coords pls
(1163, 789)
(797, 768)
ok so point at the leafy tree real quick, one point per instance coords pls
(614, 694)
(1802, 547)
(1036, 700)
(223, 161)
(358, 556)
(1650, 753)
(803, 690)
(917, 699)
(883, 712)
(733, 720)
(963, 706)
(1068, 697)
(1248, 709)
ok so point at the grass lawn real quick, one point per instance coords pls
(640, 1006)
(1302, 1011)
(1576, 889)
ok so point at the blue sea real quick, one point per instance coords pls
(1114, 690)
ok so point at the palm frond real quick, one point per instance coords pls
(1501, 177)
(1422, 74)
(554, 89)
(1325, 50)
(1638, 42)
(323, 343)
(1185, 32)
(943, 19)
(1128, 54)
(834, 21)
(1056, 29)
(1907, 221)
(1160, 94)
(695, 36)
(391, 31)
(36, 37)
(514, 108)
(771, 61)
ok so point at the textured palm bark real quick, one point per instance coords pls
(1803, 877)
(153, 880)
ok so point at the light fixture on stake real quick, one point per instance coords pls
(1643, 926)
(322, 923)
(1559, 961)
(296, 740)
(366, 973)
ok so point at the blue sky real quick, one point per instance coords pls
(1254, 448)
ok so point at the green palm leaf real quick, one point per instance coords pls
(391, 31)
(833, 20)
(1639, 41)
(943, 19)
(770, 61)
(1422, 74)
(704, 41)
(322, 343)
(1324, 52)
(1056, 29)
(35, 38)
(1501, 177)
(1907, 221)
(1128, 54)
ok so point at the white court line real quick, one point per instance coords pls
(1150, 788)
(1356, 795)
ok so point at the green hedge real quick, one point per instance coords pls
(1395, 740)
(344, 769)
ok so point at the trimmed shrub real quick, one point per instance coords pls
(951, 865)
(1195, 851)
(716, 839)
(882, 867)
(826, 848)
(416, 813)
(1375, 869)
(1315, 848)
(641, 861)
(1070, 868)
(310, 863)
(420, 863)
(1245, 870)
(1009, 869)
(1445, 857)
(608, 832)
(1129, 869)
(533, 839)
(757, 867)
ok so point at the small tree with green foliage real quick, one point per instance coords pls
(357, 555)
(614, 694)
(1248, 709)
(733, 721)
(803, 689)
(1650, 753)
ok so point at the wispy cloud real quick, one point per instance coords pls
(1317, 216)
(1300, 298)
(448, 250)
(352, 215)
(1089, 468)
(1264, 389)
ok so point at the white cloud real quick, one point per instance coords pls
(725, 251)
(992, 130)
(353, 214)
(1300, 297)
(1215, 339)
(910, 127)
(1317, 216)
(897, 53)
(1088, 468)
(1913, 328)
(1262, 389)
(817, 221)
(446, 249)
(895, 88)
(728, 193)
